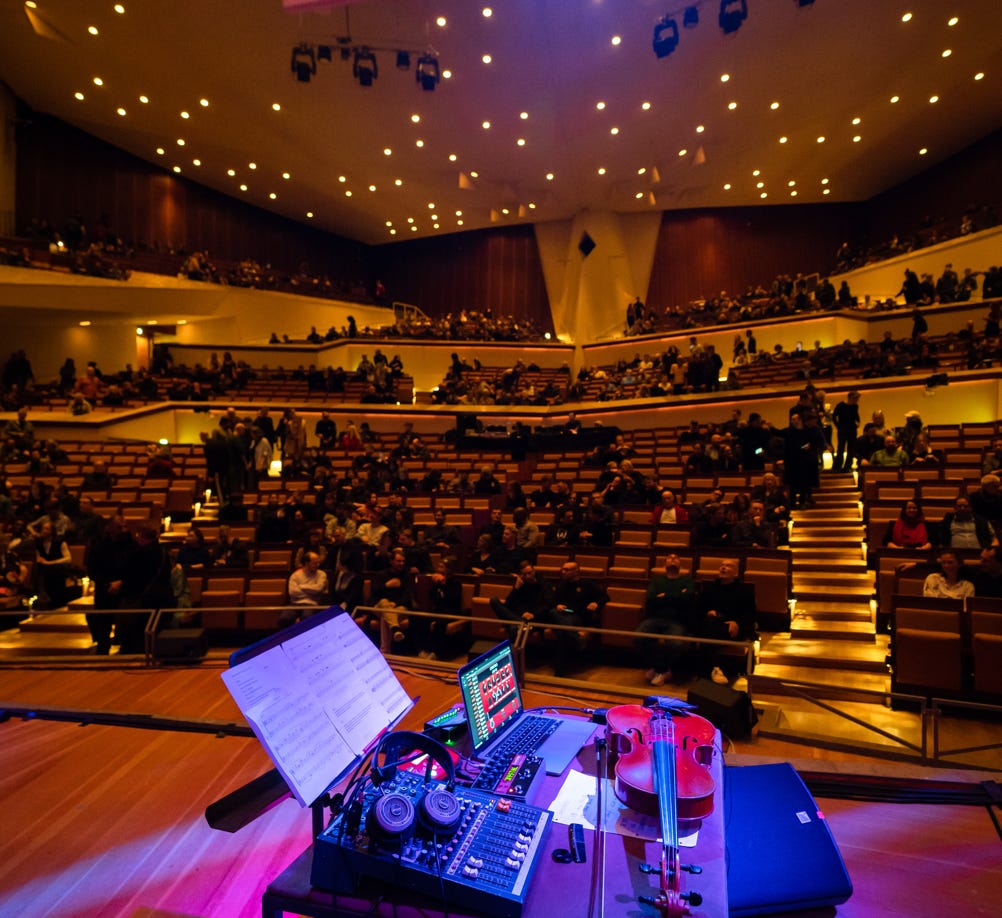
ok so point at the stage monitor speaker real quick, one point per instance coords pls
(181, 644)
(728, 710)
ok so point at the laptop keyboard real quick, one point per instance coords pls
(528, 736)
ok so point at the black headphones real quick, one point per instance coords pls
(392, 816)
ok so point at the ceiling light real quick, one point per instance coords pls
(549, 176)
(180, 141)
(946, 52)
(793, 194)
(410, 219)
(252, 166)
(185, 115)
(431, 205)
(791, 183)
(764, 194)
(646, 106)
(733, 13)
(700, 129)
(824, 181)
(92, 30)
(84, 323)
(690, 18)
(616, 40)
(393, 232)
(145, 100)
(895, 100)
(364, 67)
(856, 120)
(372, 188)
(446, 74)
(398, 182)
(857, 138)
(487, 12)
(760, 184)
(196, 162)
(441, 22)
(416, 119)
(427, 72)
(614, 130)
(639, 195)
(231, 172)
(119, 8)
(286, 176)
(453, 157)
(486, 58)
(683, 151)
(923, 151)
(475, 175)
(342, 179)
(524, 116)
(243, 187)
(774, 106)
(419, 143)
(665, 38)
(601, 170)
(600, 106)
(979, 76)
(933, 100)
(486, 125)
(387, 151)
(724, 77)
(641, 170)
(160, 151)
(783, 139)
(276, 107)
(520, 141)
(347, 193)
(98, 81)
(459, 213)
(732, 105)
(79, 96)
(827, 191)
(727, 187)
(204, 103)
(273, 196)
(907, 17)
(756, 172)
(821, 139)
(304, 62)
(952, 21)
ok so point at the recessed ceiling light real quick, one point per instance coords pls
(505, 211)
(251, 165)
(923, 151)
(196, 162)
(118, 8)
(600, 106)
(342, 179)
(952, 21)
(641, 170)
(793, 194)
(286, 176)
(756, 172)
(827, 191)
(231, 172)
(160, 151)
(486, 125)
(683, 151)
(532, 206)
(979, 76)
(410, 219)
(419, 144)
(204, 103)
(486, 58)
(459, 213)
(856, 120)
(520, 141)
(474, 175)
(434, 226)
(700, 129)
(347, 193)
(92, 30)
(824, 181)
(416, 119)
(180, 141)
(946, 52)
(724, 77)
(431, 205)
(524, 116)
(273, 196)
(387, 151)
(614, 131)
(764, 194)
(98, 81)
(145, 100)
(549, 176)
(732, 105)
(727, 186)
(791, 183)
(907, 17)
(84, 323)
(413, 229)
(389, 223)
(487, 12)
(276, 106)
(857, 138)
(398, 182)
(372, 188)
(821, 139)
(895, 100)
(185, 115)
(309, 214)
(393, 232)
(616, 39)
(933, 100)
(760, 184)
(177, 168)
(453, 157)
(79, 96)
(434, 216)
(639, 195)
(243, 187)
(774, 105)
(446, 74)
(783, 139)
(601, 170)
(646, 106)
(441, 22)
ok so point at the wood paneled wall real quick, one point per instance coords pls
(498, 269)
(63, 171)
(702, 252)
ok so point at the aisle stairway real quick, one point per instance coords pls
(833, 639)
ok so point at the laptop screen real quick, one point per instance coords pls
(490, 694)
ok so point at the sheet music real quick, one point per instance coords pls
(317, 701)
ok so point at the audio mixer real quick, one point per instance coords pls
(477, 848)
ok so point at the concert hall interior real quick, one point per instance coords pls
(660, 340)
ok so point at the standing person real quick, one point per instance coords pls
(846, 419)
(146, 584)
(803, 445)
(260, 456)
(667, 608)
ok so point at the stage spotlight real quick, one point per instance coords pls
(732, 14)
(365, 67)
(403, 60)
(665, 36)
(427, 72)
(690, 18)
(323, 52)
(304, 62)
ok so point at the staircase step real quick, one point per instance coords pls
(812, 628)
(838, 562)
(52, 622)
(829, 611)
(846, 515)
(759, 683)
(858, 656)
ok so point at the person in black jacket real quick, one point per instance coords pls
(145, 585)
(445, 597)
(106, 561)
(725, 611)
(576, 602)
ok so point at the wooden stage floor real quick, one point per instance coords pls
(108, 821)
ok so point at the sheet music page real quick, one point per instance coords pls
(282, 711)
(370, 665)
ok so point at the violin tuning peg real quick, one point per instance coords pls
(693, 898)
(648, 868)
(691, 868)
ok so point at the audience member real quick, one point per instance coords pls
(667, 611)
(946, 583)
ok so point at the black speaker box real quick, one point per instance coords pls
(728, 710)
(181, 644)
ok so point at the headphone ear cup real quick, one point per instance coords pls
(440, 812)
(394, 746)
(391, 818)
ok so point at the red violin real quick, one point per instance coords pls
(662, 769)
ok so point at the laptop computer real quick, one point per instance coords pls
(781, 856)
(498, 722)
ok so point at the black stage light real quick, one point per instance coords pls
(323, 52)
(665, 36)
(732, 14)
(365, 68)
(304, 62)
(427, 72)
(403, 60)
(690, 18)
